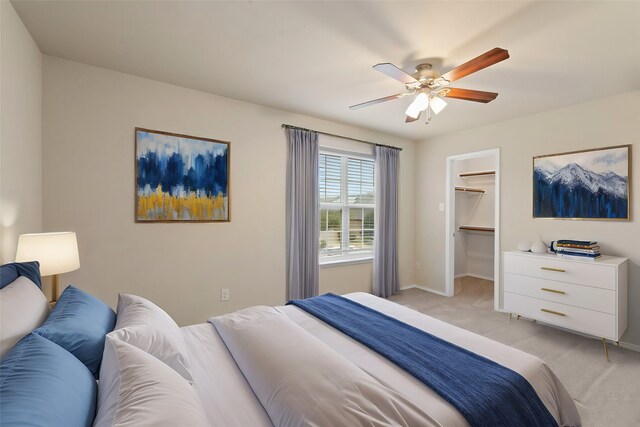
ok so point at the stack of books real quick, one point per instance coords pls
(578, 249)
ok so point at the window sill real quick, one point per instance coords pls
(345, 262)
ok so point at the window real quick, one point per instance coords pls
(346, 186)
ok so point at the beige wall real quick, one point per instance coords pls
(89, 115)
(610, 121)
(20, 133)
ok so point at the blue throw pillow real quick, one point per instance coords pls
(42, 384)
(10, 272)
(79, 323)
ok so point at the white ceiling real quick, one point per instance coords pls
(315, 57)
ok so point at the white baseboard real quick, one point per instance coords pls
(634, 347)
(477, 276)
(424, 288)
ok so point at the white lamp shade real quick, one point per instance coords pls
(57, 253)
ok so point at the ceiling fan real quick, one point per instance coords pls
(430, 87)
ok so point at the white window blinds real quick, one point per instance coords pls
(347, 201)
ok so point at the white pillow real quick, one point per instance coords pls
(143, 324)
(23, 307)
(136, 389)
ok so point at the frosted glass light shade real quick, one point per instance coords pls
(437, 104)
(419, 104)
(413, 111)
(57, 253)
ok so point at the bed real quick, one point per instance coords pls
(261, 366)
(214, 383)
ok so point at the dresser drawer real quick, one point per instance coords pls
(551, 268)
(598, 299)
(575, 318)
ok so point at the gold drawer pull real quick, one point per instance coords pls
(552, 269)
(555, 291)
(557, 313)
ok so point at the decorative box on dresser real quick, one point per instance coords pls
(585, 296)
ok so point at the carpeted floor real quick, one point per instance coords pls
(607, 394)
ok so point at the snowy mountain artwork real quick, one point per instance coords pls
(591, 184)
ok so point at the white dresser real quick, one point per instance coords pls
(584, 296)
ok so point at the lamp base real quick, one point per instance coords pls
(54, 289)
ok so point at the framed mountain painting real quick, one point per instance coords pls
(588, 185)
(180, 178)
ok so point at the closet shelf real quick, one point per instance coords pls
(470, 190)
(476, 228)
(476, 173)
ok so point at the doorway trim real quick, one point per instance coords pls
(450, 213)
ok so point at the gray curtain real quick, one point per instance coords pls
(385, 259)
(302, 214)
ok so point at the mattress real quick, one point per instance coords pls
(229, 400)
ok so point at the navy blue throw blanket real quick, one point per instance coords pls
(484, 392)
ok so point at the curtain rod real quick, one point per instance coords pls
(286, 126)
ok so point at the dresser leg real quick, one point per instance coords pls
(606, 350)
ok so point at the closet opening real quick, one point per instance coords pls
(472, 223)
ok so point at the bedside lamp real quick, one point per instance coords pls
(57, 253)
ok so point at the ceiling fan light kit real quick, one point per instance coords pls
(437, 104)
(418, 105)
(424, 102)
(430, 86)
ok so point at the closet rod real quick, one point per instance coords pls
(480, 173)
(469, 190)
(286, 126)
(476, 228)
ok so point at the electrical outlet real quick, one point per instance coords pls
(224, 295)
(417, 266)
(441, 207)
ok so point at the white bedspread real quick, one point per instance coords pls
(226, 396)
(229, 400)
(546, 384)
(302, 382)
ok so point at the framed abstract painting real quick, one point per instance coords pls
(588, 185)
(180, 178)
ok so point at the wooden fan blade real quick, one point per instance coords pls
(485, 60)
(410, 119)
(469, 95)
(378, 101)
(395, 73)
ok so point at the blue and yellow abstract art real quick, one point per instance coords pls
(181, 178)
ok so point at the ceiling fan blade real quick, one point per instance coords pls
(395, 73)
(378, 101)
(469, 95)
(485, 60)
(410, 119)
